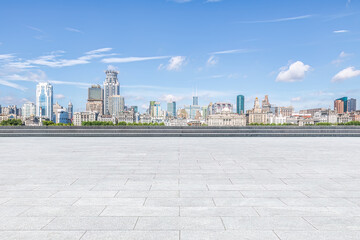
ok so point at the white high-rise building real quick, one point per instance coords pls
(44, 100)
(116, 105)
(111, 87)
(28, 110)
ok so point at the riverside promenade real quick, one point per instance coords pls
(179, 188)
(164, 131)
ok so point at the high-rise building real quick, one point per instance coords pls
(171, 108)
(95, 92)
(240, 104)
(343, 108)
(44, 100)
(339, 106)
(155, 109)
(116, 105)
(95, 102)
(28, 110)
(195, 100)
(111, 87)
(351, 105)
(70, 111)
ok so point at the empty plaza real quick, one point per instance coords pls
(180, 188)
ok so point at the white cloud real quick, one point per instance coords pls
(296, 99)
(131, 59)
(341, 31)
(170, 98)
(175, 63)
(212, 1)
(35, 29)
(59, 96)
(182, 1)
(111, 67)
(279, 19)
(73, 30)
(342, 56)
(6, 56)
(347, 73)
(100, 50)
(69, 83)
(212, 61)
(12, 85)
(233, 51)
(294, 73)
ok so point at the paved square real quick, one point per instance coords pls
(180, 188)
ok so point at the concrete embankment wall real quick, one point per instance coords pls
(162, 131)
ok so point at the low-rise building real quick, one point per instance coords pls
(127, 116)
(226, 118)
(107, 118)
(80, 117)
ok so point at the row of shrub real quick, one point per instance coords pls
(51, 123)
(11, 122)
(98, 123)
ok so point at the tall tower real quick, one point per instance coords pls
(111, 87)
(44, 100)
(70, 110)
(240, 104)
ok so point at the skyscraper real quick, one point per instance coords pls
(195, 100)
(155, 109)
(95, 102)
(70, 111)
(28, 110)
(351, 105)
(95, 93)
(240, 104)
(171, 108)
(111, 87)
(116, 105)
(44, 100)
(344, 102)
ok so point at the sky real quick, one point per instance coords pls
(302, 53)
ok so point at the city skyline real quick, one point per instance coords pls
(302, 54)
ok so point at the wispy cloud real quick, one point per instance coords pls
(69, 83)
(73, 30)
(59, 96)
(131, 59)
(175, 63)
(6, 56)
(279, 19)
(100, 50)
(35, 29)
(212, 61)
(342, 57)
(341, 31)
(181, 1)
(232, 51)
(12, 85)
(345, 74)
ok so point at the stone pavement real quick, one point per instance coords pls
(180, 188)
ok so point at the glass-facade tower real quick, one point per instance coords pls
(44, 100)
(240, 104)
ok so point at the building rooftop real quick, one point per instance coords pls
(180, 188)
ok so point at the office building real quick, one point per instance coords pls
(226, 118)
(218, 107)
(70, 111)
(95, 92)
(351, 105)
(80, 117)
(111, 87)
(195, 100)
(28, 110)
(155, 109)
(171, 109)
(240, 104)
(339, 106)
(95, 102)
(44, 100)
(257, 114)
(116, 105)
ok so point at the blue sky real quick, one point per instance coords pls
(301, 53)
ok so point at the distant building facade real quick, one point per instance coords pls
(44, 100)
(111, 87)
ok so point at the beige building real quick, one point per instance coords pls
(95, 106)
(226, 118)
(80, 117)
(257, 114)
